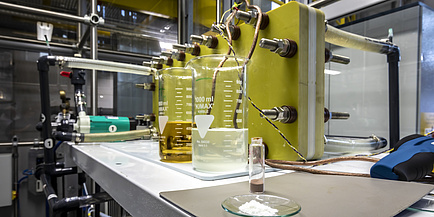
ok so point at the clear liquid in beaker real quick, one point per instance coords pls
(221, 150)
(175, 142)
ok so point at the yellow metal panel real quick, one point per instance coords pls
(276, 81)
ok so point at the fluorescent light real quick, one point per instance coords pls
(166, 45)
(331, 72)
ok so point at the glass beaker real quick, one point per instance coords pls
(220, 133)
(175, 115)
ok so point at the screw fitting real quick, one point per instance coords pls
(251, 17)
(235, 30)
(208, 40)
(284, 114)
(192, 49)
(283, 47)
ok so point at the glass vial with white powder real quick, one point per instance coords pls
(257, 166)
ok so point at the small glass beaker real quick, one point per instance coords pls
(220, 133)
(175, 115)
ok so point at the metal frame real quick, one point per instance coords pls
(93, 20)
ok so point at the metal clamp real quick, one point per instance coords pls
(94, 19)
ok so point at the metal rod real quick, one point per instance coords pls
(44, 86)
(83, 39)
(94, 56)
(322, 3)
(339, 115)
(180, 22)
(79, 13)
(22, 143)
(31, 10)
(15, 171)
(35, 45)
(393, 61)
(270, 113)
(218, 10)
(340, 59)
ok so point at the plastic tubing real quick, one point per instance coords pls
(82, 63)
(117, 136)
(350, 40)
(102, 137)
(343, 144)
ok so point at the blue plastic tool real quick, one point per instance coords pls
(412, 159)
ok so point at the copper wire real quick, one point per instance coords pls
(214, 77)
(249, 55)
(289, 165)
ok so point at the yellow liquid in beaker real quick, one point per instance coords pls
(175, 142)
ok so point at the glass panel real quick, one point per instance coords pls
(361, 88)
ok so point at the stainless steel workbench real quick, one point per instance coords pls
(135, 182)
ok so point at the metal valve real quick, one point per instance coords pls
(283, 47)
(207, 40)
(284, 114)
(192, 49)
(251, 17)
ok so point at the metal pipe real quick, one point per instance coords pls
(15, 171)
(21, 143)
(94, 56)
(218, 11)
(83, 39)
(66, 49)
(350, 40)
(83, 63)
(43, 64)
(79, 13)
(394, 128)
(322, 3)
(181, 22)
(31, 10)
(67, 204)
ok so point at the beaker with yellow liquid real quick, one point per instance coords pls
(174, 115)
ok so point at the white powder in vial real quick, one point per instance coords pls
(255, 208)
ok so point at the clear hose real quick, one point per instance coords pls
(352, 144)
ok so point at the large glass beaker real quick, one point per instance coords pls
(220, 133)
(175, 115)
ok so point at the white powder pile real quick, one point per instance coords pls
(257, 209)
